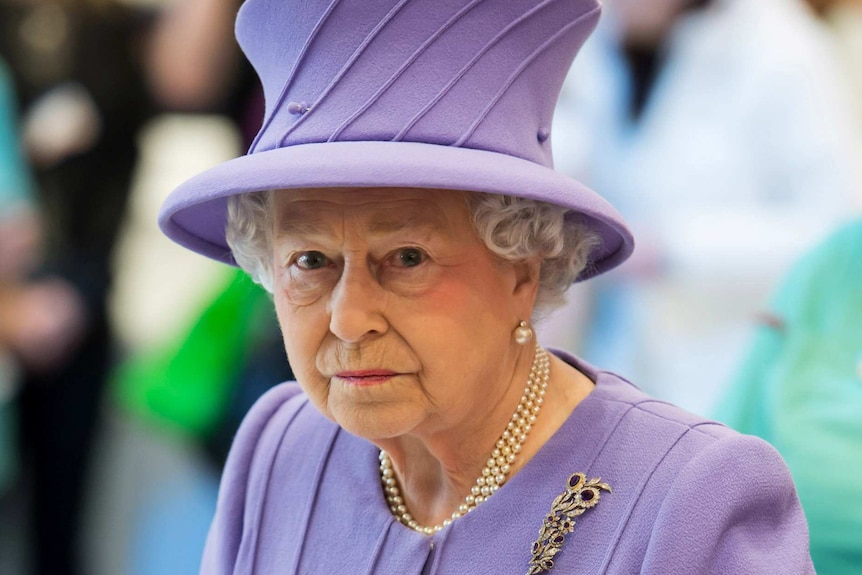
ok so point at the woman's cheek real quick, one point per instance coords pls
(314, 385)
(303, 341)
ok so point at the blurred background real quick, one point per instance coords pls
(727, 132)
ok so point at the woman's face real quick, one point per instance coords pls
(396, 317)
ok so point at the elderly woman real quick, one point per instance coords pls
(400, 204)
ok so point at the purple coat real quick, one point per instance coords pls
(689, 496)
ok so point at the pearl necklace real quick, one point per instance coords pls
(497, 467)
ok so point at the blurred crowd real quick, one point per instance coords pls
(727, 132)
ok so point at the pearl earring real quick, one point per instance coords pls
(523, 334)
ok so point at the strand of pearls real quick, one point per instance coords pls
(497, 468)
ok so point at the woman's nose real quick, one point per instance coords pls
(356, 306)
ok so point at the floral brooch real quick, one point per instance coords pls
(579, 496)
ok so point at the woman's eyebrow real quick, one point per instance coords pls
(301, 227)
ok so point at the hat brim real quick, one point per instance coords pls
(195, 214)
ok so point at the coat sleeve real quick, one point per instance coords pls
(228, 526)
(732, 510)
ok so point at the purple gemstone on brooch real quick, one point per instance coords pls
(580, 496)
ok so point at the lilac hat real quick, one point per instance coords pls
(450, 94)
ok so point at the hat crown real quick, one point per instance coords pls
(481, 74)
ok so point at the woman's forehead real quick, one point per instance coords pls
(380, 210)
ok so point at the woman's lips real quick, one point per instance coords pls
(366, 377)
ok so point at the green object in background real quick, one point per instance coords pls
(185, 386)
(800, 388)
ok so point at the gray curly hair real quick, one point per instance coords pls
(512, 228)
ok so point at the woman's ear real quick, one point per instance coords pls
(527, 279)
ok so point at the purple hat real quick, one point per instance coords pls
(450, 94)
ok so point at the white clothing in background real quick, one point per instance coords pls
(740, 161)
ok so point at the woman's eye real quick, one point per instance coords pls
(311, 261)
(410, 257)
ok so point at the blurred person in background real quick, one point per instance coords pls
(722, 124)
(15, 213)
(800, 388)
(39, 320)
(195, 65)
(77, 70)
(199, 384)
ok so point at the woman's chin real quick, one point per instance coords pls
(375, 422)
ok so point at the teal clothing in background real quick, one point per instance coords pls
(15, 184)
(800, 388)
